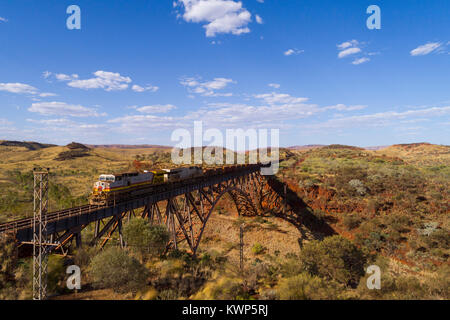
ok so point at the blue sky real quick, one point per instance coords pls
(137, 70)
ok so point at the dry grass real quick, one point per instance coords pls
(78, 173)
(103, 294)
(419, 154)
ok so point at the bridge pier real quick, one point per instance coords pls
(78, 241)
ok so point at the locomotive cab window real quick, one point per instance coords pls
(109, 178)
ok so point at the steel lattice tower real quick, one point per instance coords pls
(40, 238)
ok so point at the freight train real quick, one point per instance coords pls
(115, 187)
(111, 188)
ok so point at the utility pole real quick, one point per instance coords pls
(241, 247)
(40, 238)
(284, 194)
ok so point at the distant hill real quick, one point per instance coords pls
(342, 146)
(419, 153)
(410, 146)
(307, 147)
(375, 148)
(30, 145)
(76, 145)
(316, 146)
(76, 150)
(128, 146)
(419, 148)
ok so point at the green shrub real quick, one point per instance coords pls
(114, 268)
(351, 221)
(144, 238)
(258, 248)
(83, 256)
(8, 259)
(56, 275)
(395, 288)
(168, 294)
(290, 266)
(374, 241)
(306, 287)
(334, 258)
(358, 185)
(222, 288)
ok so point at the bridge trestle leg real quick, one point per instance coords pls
(119, 227)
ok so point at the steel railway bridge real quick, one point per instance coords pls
(184, 207)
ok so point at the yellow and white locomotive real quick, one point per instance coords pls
(116, 187)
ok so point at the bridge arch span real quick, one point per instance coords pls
(242, 201)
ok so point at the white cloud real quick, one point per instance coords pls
(347, 44)
(279, 108)
(343, 107)
(244, 115)
(18, 88)
(63, 130)
(217, 83)
(380, 119)
(276, 98)
(65, 77)
(22, 88)
(65, 123)
(62, 109)
(52, 122)
(47, 94)
(8, 131)
(293, 51)
(274, 85)
(46, 74)
(5, 122)
(150, 88)
(207, 88)
(289, 52)
(352, 47)
(425, 49)
(136, 123)
(360, 60)
(348, 48)
(156, 108)
(221, 16)
(259, 20)
(109, 81)
(349, 51)
(3, 19)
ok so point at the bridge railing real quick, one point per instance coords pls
(25, 223)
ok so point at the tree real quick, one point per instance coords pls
(114, 268)
(15, 274)
(144, 238)
(334, 258)
(8, 258)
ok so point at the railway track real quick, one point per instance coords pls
(52, 216)
(27, 223)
